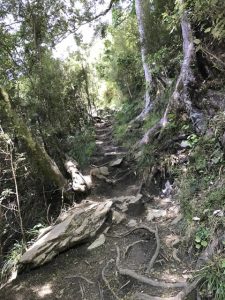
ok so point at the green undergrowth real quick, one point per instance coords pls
(126, 130)
(82, 145)
(195, 165)
(213, 285)
(11, 260)
(125, 133)
(15, 253)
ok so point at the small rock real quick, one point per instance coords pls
(196, 219)
(218, 213)
(117, 217)
(138, 155)
(106, 230)
(187, 276)
(125, 203)
(155, 213)
(176, 242)
(116, 163)
(177, 220)
(132, 223)
(97, 243)
(168, 189)
(185, 144)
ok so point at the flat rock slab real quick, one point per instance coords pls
(155, 213)
(125, 203)
(116, 163)
(72, 227)
(118, 217)
(98, 242)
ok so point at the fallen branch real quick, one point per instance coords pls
(106, 281)
(144, 279)
(79, 182)
(123, 286)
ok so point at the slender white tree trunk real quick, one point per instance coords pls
(187, 75)
(144, 52)
(184, 85)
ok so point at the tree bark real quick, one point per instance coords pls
(36, 153)
(187, 79)
(184, 88)
(144, 55)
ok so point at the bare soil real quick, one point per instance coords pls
(78, 273)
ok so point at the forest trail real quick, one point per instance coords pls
(80, 273)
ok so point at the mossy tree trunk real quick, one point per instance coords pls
(37, 154)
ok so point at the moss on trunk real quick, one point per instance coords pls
(37, 154)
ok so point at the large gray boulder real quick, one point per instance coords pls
(72, 227)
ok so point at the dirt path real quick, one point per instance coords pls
(80, 273)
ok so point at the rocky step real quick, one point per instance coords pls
(115, 153)
(104, 136)
(104, 123)
(111, 154)
(101, 160)
(107, 148)
(103, 130)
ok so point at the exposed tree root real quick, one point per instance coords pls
(106, 281)
(203, 259)
(132, 245)
(80, 277)
(155, 232)
(81, 290)
(132, 230)
(151, 133)
(154, 257)
(100, 292)
(182, 95)
(175, 255)
(180, 296)
(144, 279)
(123, 176)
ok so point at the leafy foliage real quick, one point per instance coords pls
(214, 279)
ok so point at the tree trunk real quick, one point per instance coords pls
(36, 153)
(144, 52)
(187, 77)
(185, 86)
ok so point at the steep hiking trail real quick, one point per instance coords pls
(137, 252)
